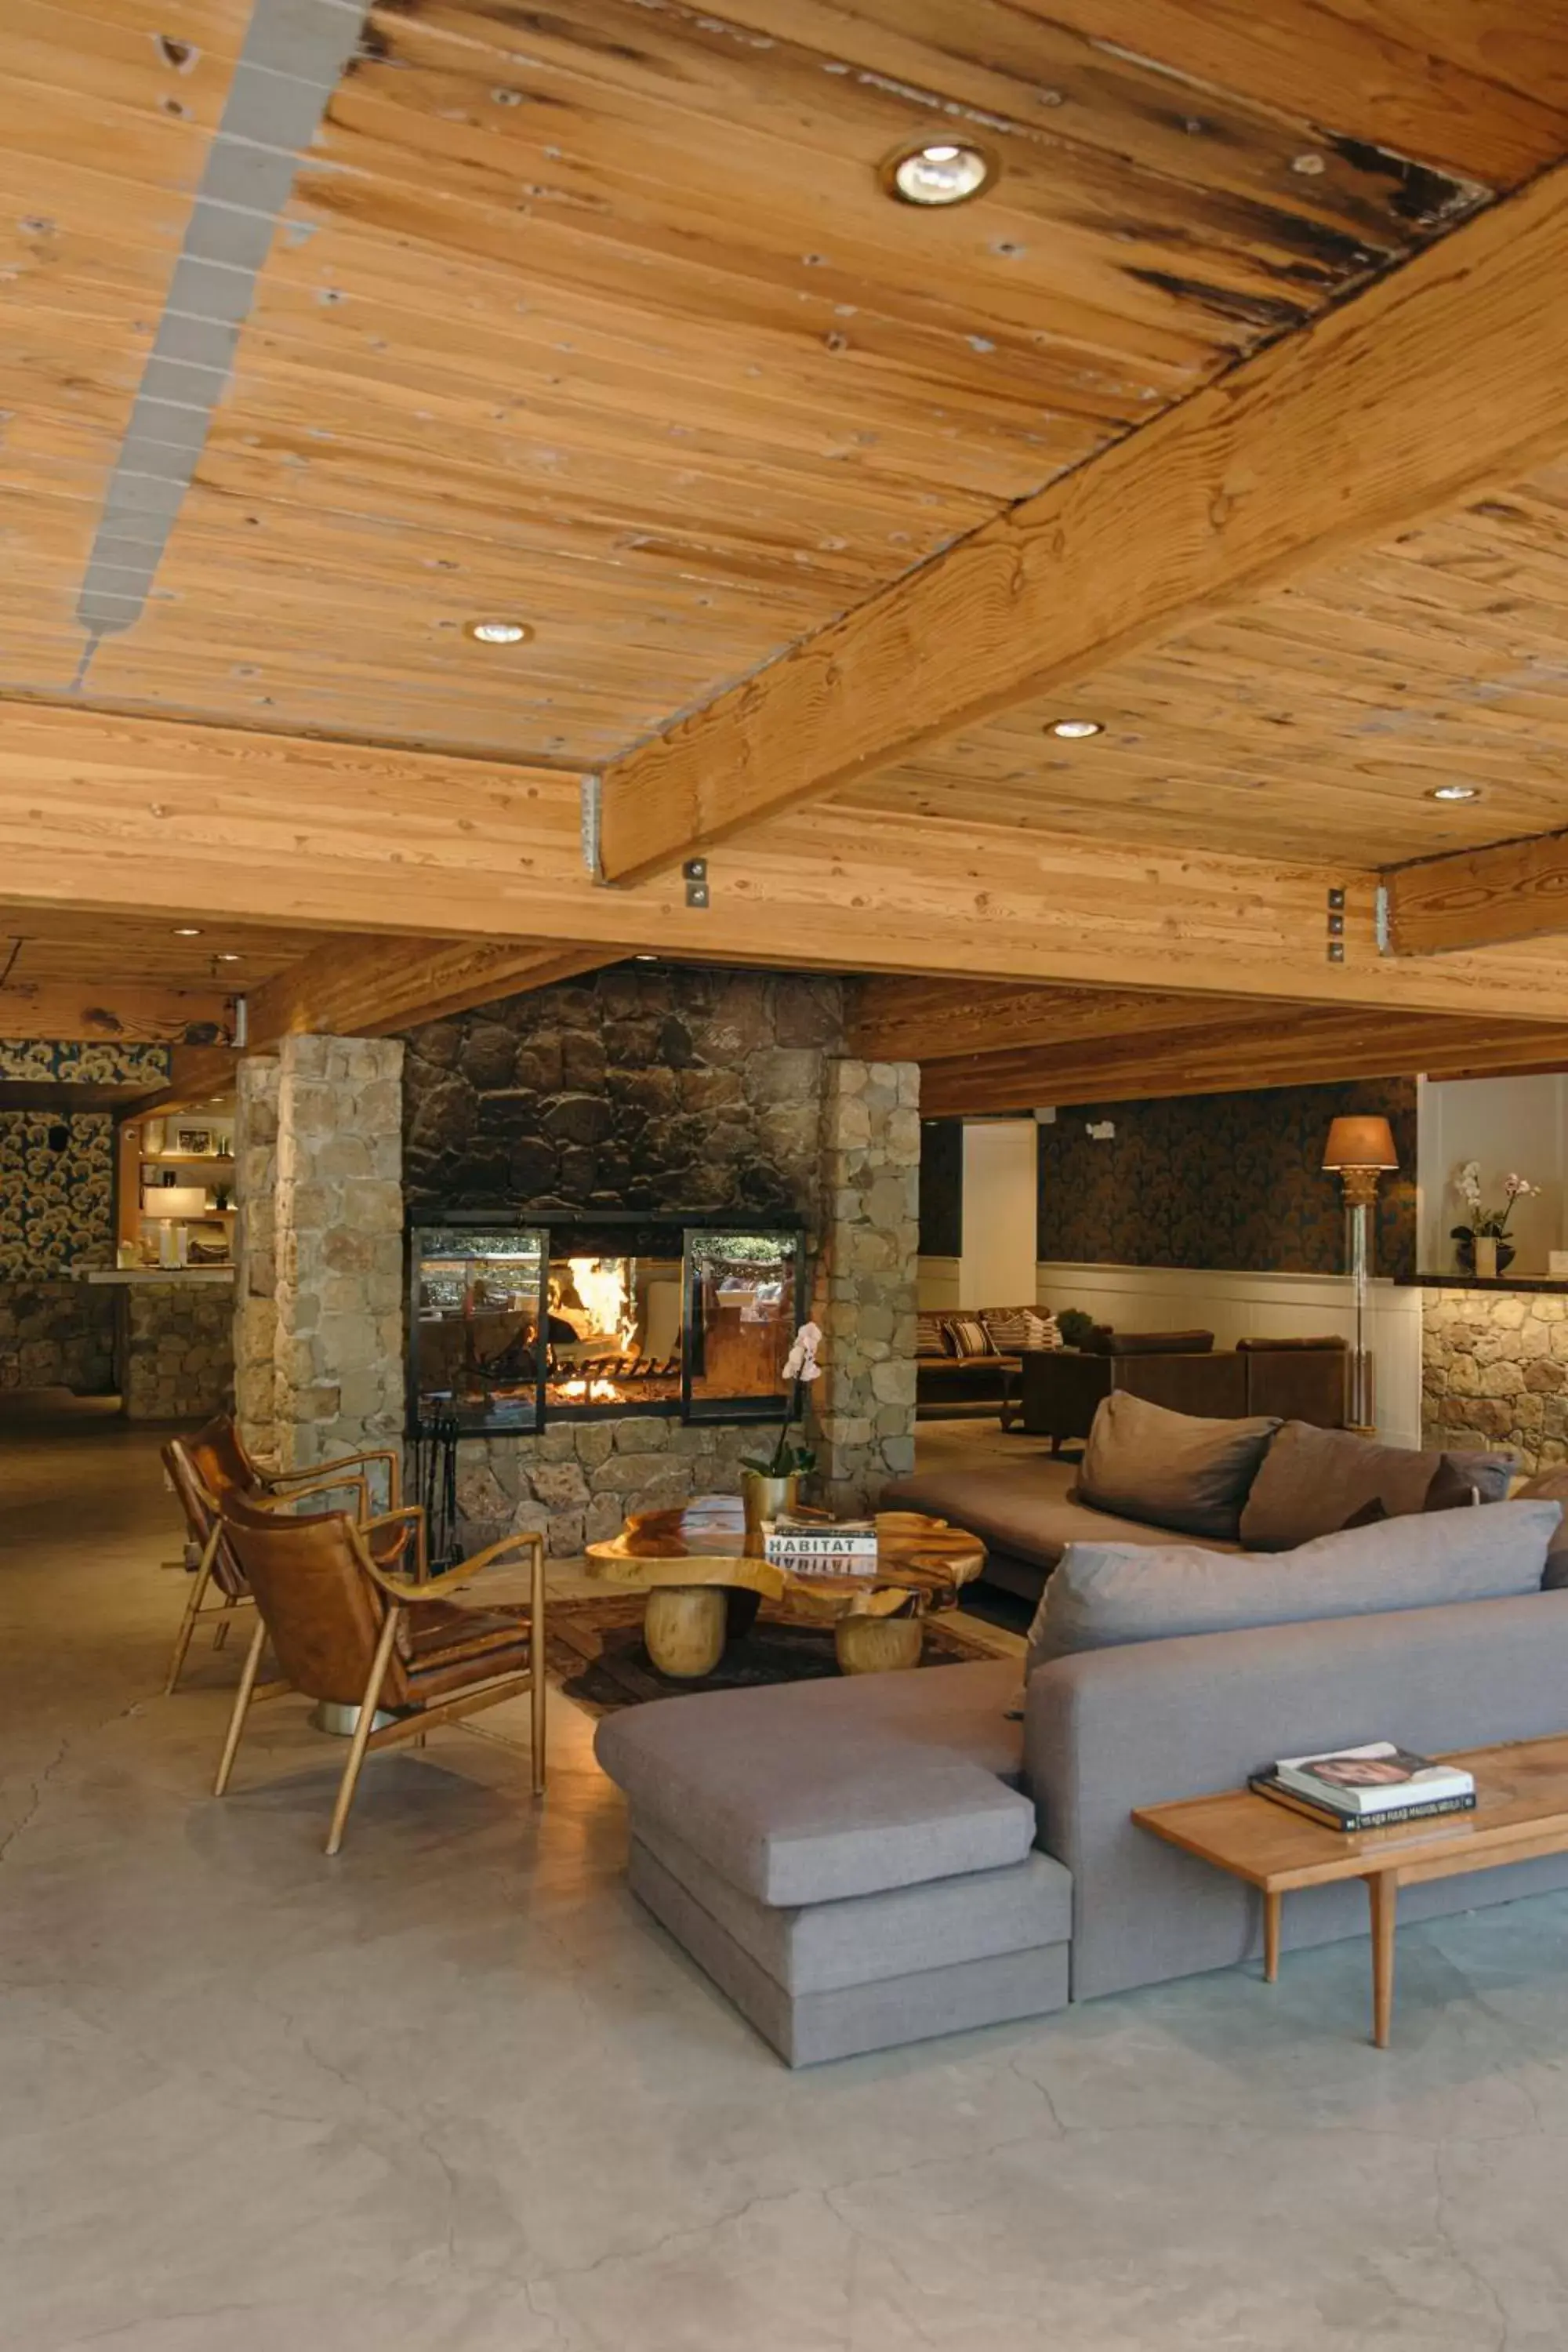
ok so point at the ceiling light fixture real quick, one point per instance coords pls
(228, 957)
(497, 633)
(187, 931)
(1076, 731)
(936, 172)
(1455, 792)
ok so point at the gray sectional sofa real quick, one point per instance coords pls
(874, 1860)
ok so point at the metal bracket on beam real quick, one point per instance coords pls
(1379, 921)
(592, 799)
(695, 875)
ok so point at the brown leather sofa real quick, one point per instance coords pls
(1060, 1391)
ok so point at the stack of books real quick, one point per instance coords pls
(817, 1546)
(1375, 1786)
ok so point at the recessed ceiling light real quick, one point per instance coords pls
(497, 633)
(1455, 792)
(936, 171)
(187, 931)
(227, 958)
(645, 958)
(1075, 731)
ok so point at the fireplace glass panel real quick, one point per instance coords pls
(476, 1326)
(613, 1330)
(743, 1293)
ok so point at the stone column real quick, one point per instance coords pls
(255, 1261)
(338, 1244)
(865, 1403)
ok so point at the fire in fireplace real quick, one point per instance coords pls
(512, 1324)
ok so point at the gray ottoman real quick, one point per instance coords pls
(849, 1861)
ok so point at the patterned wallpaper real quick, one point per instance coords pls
(56, 1167)
(90, 1065)
(57, 1191)
(1230, 1182)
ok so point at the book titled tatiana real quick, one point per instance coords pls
(811, 1547)
(1374, 1787)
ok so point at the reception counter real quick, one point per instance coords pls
(174, 1339)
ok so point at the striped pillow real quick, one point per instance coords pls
(1014, 1328)
(930, 1338)
(967, 1336)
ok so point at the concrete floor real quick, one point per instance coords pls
(456, 2091)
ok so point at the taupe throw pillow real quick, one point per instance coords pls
(1315, 1480)
(1171, 1468)
(1106, 1595)
(1551, 1486)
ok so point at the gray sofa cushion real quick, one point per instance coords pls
(811, 1792)
(1103, 1595)
(821, 1947)
(1170, 1467)
(1026, 1508)
(1313, 1480)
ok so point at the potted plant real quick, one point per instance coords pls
(1483, 1246)
(770, 1483)
(1076, 1327)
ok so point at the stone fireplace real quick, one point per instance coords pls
(639, 1123)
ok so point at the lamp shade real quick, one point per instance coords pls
(1361, 1142)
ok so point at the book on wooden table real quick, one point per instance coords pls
(1334, 1817)
(820, 1546)
(1377, 1779)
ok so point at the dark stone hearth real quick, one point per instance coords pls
(579, 1118)
(646, 1087)
(488, 1055)
(510, 1110)
(530, 1171)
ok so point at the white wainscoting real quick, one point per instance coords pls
(1249, 1306)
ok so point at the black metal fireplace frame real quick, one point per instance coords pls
(681, 1224)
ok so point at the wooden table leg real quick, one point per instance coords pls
(1271, 1904)
(683, 1629)
(1383, 1888)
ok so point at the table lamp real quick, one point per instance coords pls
(1358, 1151)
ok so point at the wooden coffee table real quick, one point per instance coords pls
(1521, 1811)
(704, 1577)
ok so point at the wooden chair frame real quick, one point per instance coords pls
(412, 1725)
(196, 1606)
(344, 1474)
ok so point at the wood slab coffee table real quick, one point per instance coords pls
(704, 1577)
(1521, 1812)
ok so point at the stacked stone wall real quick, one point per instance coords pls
(57, 1334)
(338, 1244)
(176, 1348)
(1495, 1372)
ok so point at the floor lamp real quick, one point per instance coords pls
(1358, 1151)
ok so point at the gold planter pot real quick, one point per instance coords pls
(765, 1497)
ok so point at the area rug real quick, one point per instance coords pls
(595, 1654)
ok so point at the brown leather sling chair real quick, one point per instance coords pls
(216, 1462)
(346, 1631)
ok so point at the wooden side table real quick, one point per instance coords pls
(1521, 1812)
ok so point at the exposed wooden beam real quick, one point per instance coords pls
(366, 988)
(206, 824)
(1496, 896)
(943, 1019)
(77, 1012)
(1447, 376)
(1242, 1055)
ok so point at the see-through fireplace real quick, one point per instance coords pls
(516, 1322)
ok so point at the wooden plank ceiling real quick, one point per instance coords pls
(597, 318)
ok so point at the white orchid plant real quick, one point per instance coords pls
(1482, 1220)
(789, 1460)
